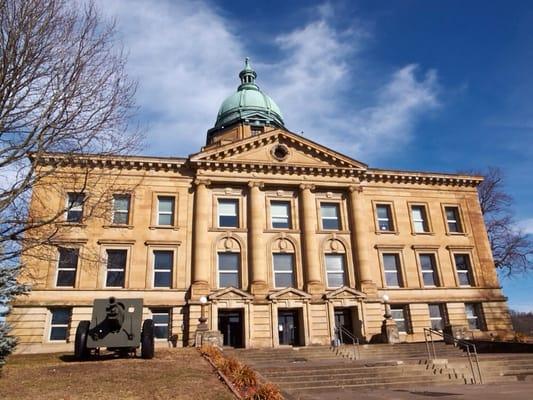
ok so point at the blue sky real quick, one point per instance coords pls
(423, 85)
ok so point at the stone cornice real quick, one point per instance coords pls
(108, 161)
(427, 178)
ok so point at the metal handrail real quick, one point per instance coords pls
(340, 331)
(468, 346)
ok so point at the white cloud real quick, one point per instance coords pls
(187, 57)
(526, 225)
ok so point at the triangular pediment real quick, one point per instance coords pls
(277, 149)
(344, 293)
(289, 294)
(230, 293)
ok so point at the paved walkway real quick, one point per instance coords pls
(507, 391)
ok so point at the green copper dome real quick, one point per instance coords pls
(248, 104)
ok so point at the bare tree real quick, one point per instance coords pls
(512, 249)
(63, 89)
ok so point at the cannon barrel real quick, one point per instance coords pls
(115, 314)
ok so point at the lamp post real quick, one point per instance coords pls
(389, 330)
(202, 326)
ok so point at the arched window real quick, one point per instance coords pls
(283, 262)
(335, 262)
(229, 263)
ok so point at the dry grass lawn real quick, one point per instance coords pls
(173, 374)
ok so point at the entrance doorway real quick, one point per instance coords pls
(288, 327)
(343, 318)
(230, 324)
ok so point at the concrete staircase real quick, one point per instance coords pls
(320, 368)
(498, 368)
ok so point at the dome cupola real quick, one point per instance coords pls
(248, 105)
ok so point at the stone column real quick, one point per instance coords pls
(359, 221)
(256, 221)
(313, 283)
(201, 252)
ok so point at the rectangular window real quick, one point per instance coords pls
(75, 206)
(384, 214)
(66, 267)
(59, 323)
(228, 213)
(330, 216)
(437, 316)
(473, 315)
(228, 269)
(335, 270)
(420, 221)
(283, 270)
(453, 219)
(401, 317)
(121, 209)
(463, 267)
(163, 262)
(280, 212)
(391, 265)
(116, 268)
(161, 318)
(165, 210)
(428, 266)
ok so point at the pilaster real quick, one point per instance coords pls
(313, 280)
(256, 209)
(200, 272)
(360, 243)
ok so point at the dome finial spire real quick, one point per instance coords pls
(248, 74)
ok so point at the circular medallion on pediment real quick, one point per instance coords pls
(280, 152)
(228, 243)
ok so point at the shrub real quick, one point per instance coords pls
(267, 391)
(244, 377)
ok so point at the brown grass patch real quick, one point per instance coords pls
(173, 374)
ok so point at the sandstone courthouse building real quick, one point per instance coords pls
(285, 237)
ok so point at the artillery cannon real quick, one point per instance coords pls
(116, 325)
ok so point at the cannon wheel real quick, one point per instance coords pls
(147, 339)
(81, 352)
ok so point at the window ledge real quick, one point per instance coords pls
(228, 229)
(278, 230)
(73, 224)
(339, 231)
(387, 232)
(423, 233)
(117, 226)
(153, 227)
(456, 233)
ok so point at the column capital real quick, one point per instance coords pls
(307, 186)
(259, 184)
(202, 182)
(355, 188)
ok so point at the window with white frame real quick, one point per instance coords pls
(121, 209)
(453, 219)
(67, 266)
(228, 269)
(116, 267)
(163, 262)
(384, 215)
(165, 210)
(162, 325)
(228, 213)
(75, 203)
(280, 212)
(474, 315)
(463, 268)
(330, 216)
(420, 221)
(283, 270)
(392, 269)
(335, 270)
(428, 266)
(400, 315)
(59, 324)
(437, 316)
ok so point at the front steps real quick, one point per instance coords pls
(500, 367)
(318, 368)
